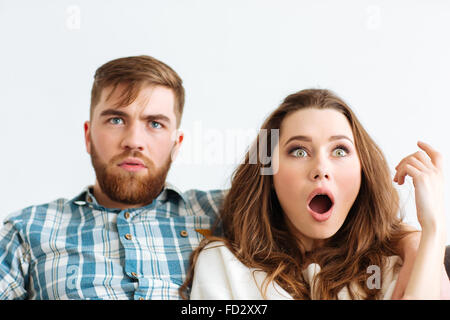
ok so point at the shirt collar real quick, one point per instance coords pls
(87, 196)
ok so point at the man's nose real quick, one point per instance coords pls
(133, 138)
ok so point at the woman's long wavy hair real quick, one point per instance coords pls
(255, 231)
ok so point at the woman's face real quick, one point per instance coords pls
(319, 173)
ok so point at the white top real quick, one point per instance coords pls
(220, 275)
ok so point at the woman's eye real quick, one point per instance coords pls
(115, 121)
(299, 153)
(155, 125)
(339, 152)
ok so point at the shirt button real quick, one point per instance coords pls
(183, 233)
(128, 236)
(127, 215)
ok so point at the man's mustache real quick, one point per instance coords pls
(132, 154)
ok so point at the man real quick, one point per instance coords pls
(130, 235)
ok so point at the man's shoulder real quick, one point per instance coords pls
(212, 197)
(204, 201)
(214, 194)
(37, 212)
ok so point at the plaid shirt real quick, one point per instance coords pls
(77, 249)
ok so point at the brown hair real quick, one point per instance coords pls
(136, 72)
(255, 231)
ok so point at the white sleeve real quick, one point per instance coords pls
(220, 275)
(210, 277)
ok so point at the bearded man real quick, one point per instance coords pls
(129, 236)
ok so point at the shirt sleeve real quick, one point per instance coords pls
(220, 275)
(210, 279)
(14, 262)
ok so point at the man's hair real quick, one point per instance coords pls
(135, 73)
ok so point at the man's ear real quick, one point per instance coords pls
(87, 136)
(180, 137)
(177, 137)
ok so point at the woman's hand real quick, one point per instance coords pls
(425, 168)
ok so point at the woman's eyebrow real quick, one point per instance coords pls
(301, 138)
(339, 137)
(309, 139)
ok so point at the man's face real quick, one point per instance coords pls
(132, 146)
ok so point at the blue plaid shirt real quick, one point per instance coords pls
(77, 249)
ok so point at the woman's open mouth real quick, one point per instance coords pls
(320, 204)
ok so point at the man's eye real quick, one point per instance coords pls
(299, 153)
(116, 121)
(155, 125)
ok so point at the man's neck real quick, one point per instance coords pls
(106, 202)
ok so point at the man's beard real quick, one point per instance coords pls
(128, 187)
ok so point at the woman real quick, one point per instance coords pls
(324, 224)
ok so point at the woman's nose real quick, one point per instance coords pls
(319, 171)
(319, 174)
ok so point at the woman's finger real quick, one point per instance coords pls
(403, 160)
(412, 161)
(420, 155)
(436, 157)
(412, 171)
(424, 158)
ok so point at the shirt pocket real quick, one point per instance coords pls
(169, 244)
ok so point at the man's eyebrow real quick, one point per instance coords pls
(113, 112)
(309, 139)
(150, 117)
(158, 117)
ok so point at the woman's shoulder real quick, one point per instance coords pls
(217, 256)
(219, 274)
(214, 252)
(216, 247)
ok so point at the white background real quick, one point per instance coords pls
(390, 60)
